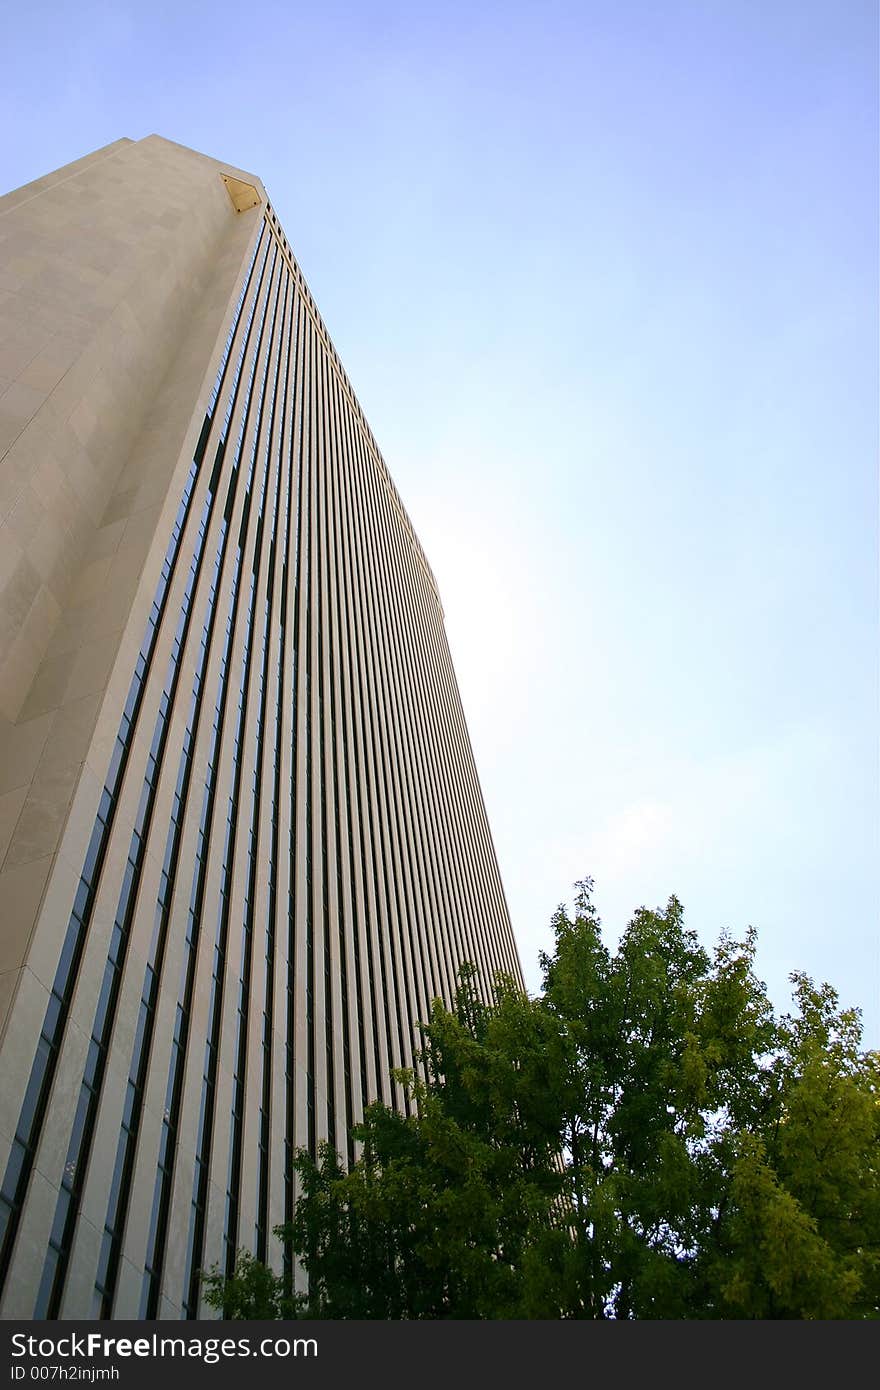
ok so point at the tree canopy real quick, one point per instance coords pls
(646, 1139)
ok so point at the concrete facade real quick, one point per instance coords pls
(242, 840)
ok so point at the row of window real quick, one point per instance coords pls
(231, 1222)
(79, 1146)
(161, 1204)
(205, 1133)
(392, 897)
(123, 1170)
(297, 449)
(61, 1236)
(377, 533)
(261, 1229)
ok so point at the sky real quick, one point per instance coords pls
(604, 277)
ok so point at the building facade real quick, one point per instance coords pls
(242, 839)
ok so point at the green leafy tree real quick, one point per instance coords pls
(644, 1140)
(800, 1235)
(254, 1291)
(435, 1218)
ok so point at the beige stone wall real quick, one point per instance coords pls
(115, 273)
(101, 269)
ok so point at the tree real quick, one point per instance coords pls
(646, 1139)
(435, 1218)
(801, 1233)
(253, 1291)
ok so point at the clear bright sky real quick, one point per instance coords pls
(605, 279)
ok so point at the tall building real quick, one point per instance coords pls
(242, 839)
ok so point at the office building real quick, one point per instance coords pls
(242, 839)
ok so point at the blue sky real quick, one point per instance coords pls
(604, 277)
